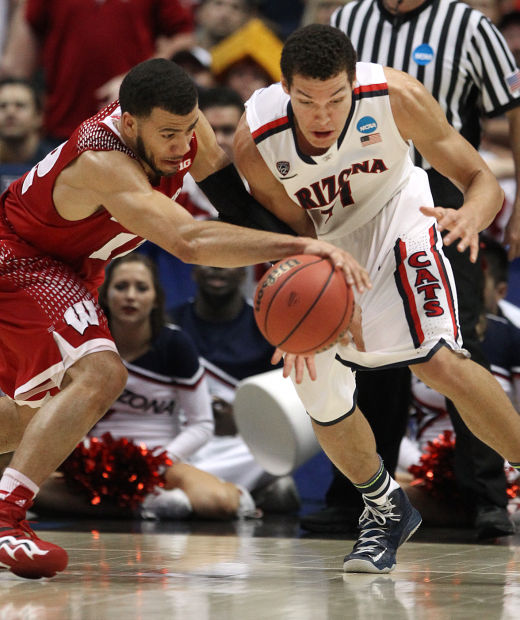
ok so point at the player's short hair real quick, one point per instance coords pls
(220, 97)
(157, 83)
(494, 259)
(318, 51)
(158, 313)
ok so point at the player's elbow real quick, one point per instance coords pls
(187, 244)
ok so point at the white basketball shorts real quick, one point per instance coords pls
(407, 315)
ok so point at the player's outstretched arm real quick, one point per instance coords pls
(111, 180)
(420, 118)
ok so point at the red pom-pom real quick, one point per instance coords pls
(119, 470)
(435, 473)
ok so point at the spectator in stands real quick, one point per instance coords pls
(218, 19)
(21, 146)
(221, 323)
(86, 47)
(320, 11)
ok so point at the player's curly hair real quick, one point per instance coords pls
(318, 51)
(157, 83)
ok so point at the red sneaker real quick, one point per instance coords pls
(21, 551)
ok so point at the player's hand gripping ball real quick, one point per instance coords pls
(303, 304)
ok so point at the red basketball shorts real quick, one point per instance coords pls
(48, 320)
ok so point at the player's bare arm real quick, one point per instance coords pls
(272, 195)
(262, 184)
(420, 118)
(113, 181)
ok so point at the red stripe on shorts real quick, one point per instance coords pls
(444, 277)
(414, 321)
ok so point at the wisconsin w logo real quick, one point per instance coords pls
(81, 315)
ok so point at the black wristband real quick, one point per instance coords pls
(235, 205)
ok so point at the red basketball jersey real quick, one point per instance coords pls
(27, 210)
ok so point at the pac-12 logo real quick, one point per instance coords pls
(423, 54)
(283, 167)
(367, 124)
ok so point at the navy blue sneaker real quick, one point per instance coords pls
(383, 529)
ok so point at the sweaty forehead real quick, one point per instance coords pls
(163, 119)
(315, 88)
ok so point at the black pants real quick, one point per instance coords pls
(384, 398)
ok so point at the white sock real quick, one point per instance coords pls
(12, 478)
(379, 487)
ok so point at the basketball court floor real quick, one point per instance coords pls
(260, 570)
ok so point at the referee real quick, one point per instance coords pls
(462, 59)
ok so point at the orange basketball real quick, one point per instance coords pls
(303, 304)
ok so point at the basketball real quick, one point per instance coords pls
(303, 304)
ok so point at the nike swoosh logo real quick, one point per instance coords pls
(287, 178)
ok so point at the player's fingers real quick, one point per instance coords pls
(432, 212)
(288, 364)
(362, 279)
(299, 368)
(311, 367)
(457, 231)
(277, 356)
(356, 276)
(473, 249)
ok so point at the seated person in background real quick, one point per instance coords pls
(221, 323)
(165, 404)
(501, 342)
(217, 19)
(21, 145)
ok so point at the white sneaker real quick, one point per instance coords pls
(166, 504)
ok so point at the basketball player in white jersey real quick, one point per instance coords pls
(327, 151)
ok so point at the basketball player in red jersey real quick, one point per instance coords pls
(94, 197)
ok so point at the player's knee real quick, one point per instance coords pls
(102, 376)
(442, 372)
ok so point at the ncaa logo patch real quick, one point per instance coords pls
(283, 167)
(367, 124)
(423, 54)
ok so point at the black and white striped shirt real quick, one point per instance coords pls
(454, 50)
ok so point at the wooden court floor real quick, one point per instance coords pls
(260, 570)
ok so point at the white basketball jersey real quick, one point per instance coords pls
(348, 185)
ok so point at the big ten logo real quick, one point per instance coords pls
(426, 283)
(272, 277)
(81, 315)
